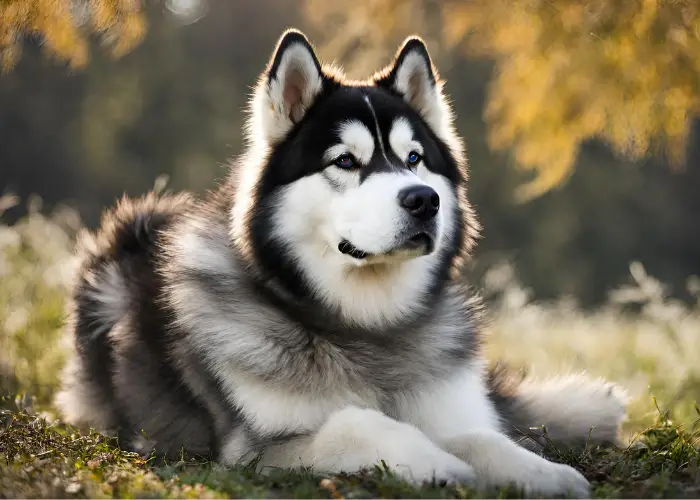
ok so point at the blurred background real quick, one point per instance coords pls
(579, 120)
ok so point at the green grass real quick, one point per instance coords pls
(641, 339)
(39, 459)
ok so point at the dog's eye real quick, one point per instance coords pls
(345, 161)
(413, 159)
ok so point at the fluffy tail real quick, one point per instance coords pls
(569, 411)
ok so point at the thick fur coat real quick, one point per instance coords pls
(310, 312)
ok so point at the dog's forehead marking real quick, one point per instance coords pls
(401, 138)
(355, 138)
(376, 124)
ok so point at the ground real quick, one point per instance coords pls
(41, 460)
(640, 339)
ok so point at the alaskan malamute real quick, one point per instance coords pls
(310, 311)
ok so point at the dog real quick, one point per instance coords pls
(311, 310)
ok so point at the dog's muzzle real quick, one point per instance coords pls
(421, 204)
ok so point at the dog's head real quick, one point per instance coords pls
(353, 193)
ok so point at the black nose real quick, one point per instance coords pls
(422, 202)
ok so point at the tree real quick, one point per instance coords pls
(62, 26)
(626, 72)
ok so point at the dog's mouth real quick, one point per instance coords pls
(347, 248)
(417, 245)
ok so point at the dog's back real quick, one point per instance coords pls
(122, 378)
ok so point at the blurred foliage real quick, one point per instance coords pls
(36, 270)
(624, 71)
(63, 26)
(627, 72)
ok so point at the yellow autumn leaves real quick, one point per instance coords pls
(623, 71)
(64, 25)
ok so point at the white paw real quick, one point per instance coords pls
(560, 480)
(540, 477)
(499, 462)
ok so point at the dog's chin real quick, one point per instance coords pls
(411, 247)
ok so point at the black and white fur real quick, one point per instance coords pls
(309, 312)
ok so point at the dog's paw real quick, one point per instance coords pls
(538, 477)
(550, 479)
(356, 439)
(499, 463)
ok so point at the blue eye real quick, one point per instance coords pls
(413, 159)
(345, 161)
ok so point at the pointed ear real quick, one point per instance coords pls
(288, 87)
(413, 76)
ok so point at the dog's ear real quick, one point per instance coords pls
(413, 76)
(289, 86)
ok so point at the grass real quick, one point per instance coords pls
(641, 339)
(40, 459)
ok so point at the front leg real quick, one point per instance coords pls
(353, 439)
(498, 461)
(458, 416)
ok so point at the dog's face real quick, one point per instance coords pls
(351, 193)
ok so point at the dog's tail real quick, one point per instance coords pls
(571, 411)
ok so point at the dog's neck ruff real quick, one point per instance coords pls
(316, 314)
